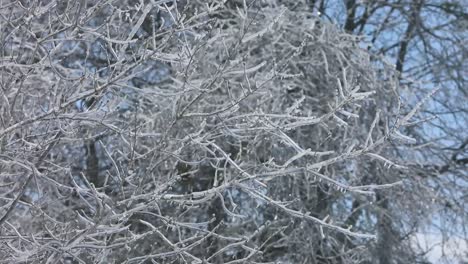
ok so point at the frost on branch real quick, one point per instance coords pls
(171, 132)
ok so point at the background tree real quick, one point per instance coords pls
(427, 42)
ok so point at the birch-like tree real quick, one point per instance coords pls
(197, 132)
